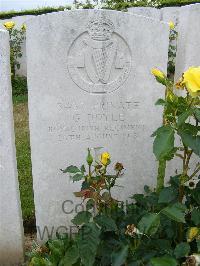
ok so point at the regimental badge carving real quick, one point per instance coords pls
(99, 59)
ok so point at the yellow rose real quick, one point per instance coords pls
(192, 233)
(171, 25)
(9, 25)
(23, 27)
(105, 158)
(191, 80)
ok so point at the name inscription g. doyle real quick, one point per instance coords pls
(105, 120)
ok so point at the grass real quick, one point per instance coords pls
(23, 157)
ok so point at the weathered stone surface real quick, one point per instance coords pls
(90, 86)
(11, 239)
(170, 14)
(150, 12)
(188, 44)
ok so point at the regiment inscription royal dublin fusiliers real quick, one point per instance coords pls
(99, 59)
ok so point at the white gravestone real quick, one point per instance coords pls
(188, 43)
(150, 12)
(11, 232)
(90, 85)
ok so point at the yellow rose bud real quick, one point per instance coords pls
(171, 25)
(9, 25)
(191, 80)
(157, 73)
(105, 158)
(23, 27)
(192, 233)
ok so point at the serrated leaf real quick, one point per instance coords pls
(149, 224)
(107, 223)
(77, 177)
(183, 117)
(56, 252)
(40, 262)
(195, 217)
(197, 113)
(83, 169)
(82, 217)
(167, 195)
(119, 256)
(182, 250)
(198, 245)
(88, 241)
(160, 102)
(71, 256)
(193, 142)
(163, 261)
(71, 169)
(90, 204)
(175, 212)
(164, 142)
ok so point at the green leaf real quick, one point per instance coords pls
(71, 256)
(182, 250)
(90, 204)
(163, 261)
(197, 113)
(195, 217)
(193, 142)
(82, 218)
(107, 223)
(149, 223)
(71, 169)
(183, 117)
(164, 142)
(198, 245)
(77, 177)
(175, 212)
(83, 169)
(160, 102)
(40, 262)
(88, 241)
(119, 256)
(167, 195)
(57, 250)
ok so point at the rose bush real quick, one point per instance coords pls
(160, 227)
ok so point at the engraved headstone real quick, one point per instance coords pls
(90, 86)
(150, 12)
(11, 232)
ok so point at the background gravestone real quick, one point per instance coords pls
(150, 12)
(188, 53)
(19, 21)
(11, 240)
(90, 85)
(170, 14)
(188, 44)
